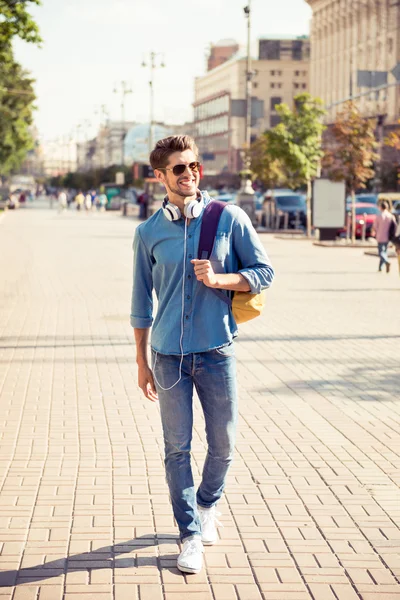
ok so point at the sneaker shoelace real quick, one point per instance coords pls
(192, 547)
(210, 516)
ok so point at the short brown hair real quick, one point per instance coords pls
(174, 143)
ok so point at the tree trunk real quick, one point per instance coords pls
(308, 204)
(353, 217)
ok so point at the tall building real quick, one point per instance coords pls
(221, 52)
(280, 73)
(349, 36)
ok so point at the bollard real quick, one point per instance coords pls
(297, 220)
(277, 221)
(286, 221)
(364, 228)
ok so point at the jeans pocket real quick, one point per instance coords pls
(228, 350)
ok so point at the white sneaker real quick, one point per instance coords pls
(190, 559)
(209, 521)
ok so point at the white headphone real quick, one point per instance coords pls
(192, 209)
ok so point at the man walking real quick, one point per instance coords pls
(381, 228)
(192, 333)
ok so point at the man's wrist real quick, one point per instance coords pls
(142, 361)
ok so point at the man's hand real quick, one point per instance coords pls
(146, 382)
(204, 272)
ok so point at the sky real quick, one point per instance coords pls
(91, 46)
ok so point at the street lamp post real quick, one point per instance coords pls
(249, 77)
(153, 66)
(246, 192)
(124, 91)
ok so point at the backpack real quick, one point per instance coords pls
(392, 229)
(394, 233)
(244, 305)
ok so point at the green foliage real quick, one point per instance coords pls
(15, 114)
(15, 21)
(294, 145)
(16, 87)
(87, 180)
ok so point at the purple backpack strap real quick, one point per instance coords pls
(209, 226)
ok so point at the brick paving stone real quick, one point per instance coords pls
(312, 500)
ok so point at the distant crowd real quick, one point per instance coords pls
(91, 200)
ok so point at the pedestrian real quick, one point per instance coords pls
(143, 202)
(381, 228)
(193, 332)
(79, 200)
(62, 201)
(103, 201)
(88, 202)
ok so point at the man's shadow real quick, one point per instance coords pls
(102, 558)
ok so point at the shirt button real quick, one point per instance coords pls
(190, 256)
(189, 277)
(187, 317)
(188, 297)
(190, 236)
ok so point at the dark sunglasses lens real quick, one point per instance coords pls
(179, 169)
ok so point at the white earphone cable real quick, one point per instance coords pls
(182, 321)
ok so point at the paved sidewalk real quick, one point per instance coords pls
(312, 508)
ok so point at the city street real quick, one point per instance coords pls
(312, 505)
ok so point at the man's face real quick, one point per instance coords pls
(184, 185)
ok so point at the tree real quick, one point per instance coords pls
(266, 169)
(351, 152)
(16, 87)
(393, 139)
(296, 142)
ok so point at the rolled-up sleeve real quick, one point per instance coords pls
(255, 265)
(142, 288)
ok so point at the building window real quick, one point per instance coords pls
(274, 120)
(269, 50)
(274, 101)
(272, 85)
(279, 73)
(297, 73)
(279, 85)
(296, 85)
(272, 73)
(255, 85)
(304, 86)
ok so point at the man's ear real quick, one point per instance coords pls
(159, 176)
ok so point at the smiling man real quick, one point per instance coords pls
(192, 333)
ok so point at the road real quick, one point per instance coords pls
(312, 505)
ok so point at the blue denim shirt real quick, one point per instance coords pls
(184, 302)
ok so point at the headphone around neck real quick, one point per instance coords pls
(192, 209)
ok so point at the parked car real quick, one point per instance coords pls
(364, 199)
(396, 209)
(365, 213)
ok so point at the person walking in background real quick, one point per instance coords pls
(79, 201)
(62, 201)
(102, 202)
(381, 229)
(88, 202)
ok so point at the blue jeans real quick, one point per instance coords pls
(382, 251)
(213, 374)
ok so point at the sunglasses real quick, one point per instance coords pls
(180, 169)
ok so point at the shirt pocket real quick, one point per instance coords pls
(221, 247)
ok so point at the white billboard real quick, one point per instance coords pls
(329, 204)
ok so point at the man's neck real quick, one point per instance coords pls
(179, 201)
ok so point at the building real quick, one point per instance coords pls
(349, 36)
(280, 72)
(221, 52)
(106, 149)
